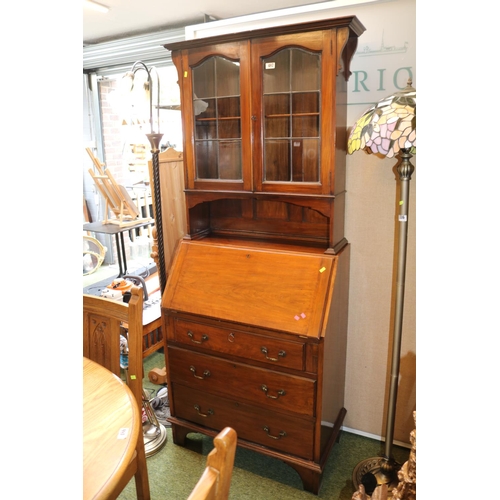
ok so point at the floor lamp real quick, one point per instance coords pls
(389, 129)
(154, 140)
(155, 434)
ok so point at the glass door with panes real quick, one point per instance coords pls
(290, 150)
(219, 120)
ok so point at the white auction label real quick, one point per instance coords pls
(123, 433)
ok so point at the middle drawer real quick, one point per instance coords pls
(275, 390)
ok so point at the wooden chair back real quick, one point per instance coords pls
(102, 325)
(215, 481)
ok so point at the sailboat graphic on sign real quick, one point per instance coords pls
(366, 51)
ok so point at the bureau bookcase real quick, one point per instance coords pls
(255, 304)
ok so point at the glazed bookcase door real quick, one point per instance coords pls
(292, 153)
(215, 90)
(291, 116)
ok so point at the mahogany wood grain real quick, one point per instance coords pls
(215, 315)
(258, 287)
(284, 432)
(236, 342)
(263, 387)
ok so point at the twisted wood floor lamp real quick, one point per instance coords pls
(154, 138)
(155, 434)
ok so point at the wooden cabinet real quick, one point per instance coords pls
(256, 336)
(264, 122)
(255, 305)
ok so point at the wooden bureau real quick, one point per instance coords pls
(255, 304)
(256, 337)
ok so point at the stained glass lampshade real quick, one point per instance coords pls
(388, 126)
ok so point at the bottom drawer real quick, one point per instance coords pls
(273, 430)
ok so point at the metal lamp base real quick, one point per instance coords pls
(375, 471)
(154, 438)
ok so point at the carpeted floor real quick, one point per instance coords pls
(174, 470)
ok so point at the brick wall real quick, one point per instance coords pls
(113, 148)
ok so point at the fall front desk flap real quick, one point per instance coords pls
(252, 285)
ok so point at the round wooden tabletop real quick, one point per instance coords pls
(111, 427)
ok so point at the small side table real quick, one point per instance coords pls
(100, 227)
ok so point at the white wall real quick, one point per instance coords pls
(370, 228)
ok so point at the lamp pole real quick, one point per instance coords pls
(405, 170)
(384, 470)
(154, 140)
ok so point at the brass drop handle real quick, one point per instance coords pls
(204, 337)
(281, 354)
(206, 373)
(205, 415)
(281, 392)
(282, 434)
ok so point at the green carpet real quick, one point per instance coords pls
(174, 470)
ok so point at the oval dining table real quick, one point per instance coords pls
(111, 427)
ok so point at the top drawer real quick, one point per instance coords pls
(276, 352)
